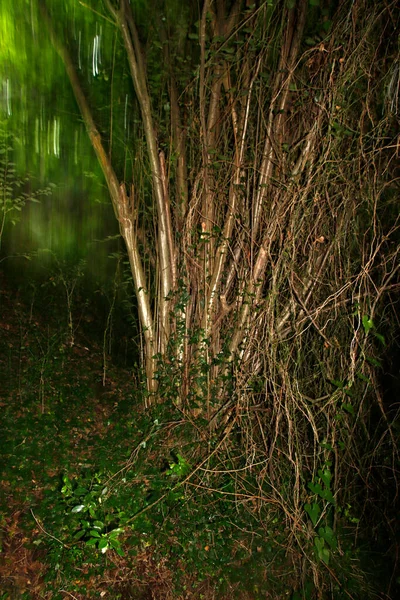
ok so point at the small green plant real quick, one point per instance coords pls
(92, 522)
(179, 467)
(320, 513)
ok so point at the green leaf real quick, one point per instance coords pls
(380, 338)
(367, 323)
(326, 445)
(179, 468)
(337, 383)
(78, 508)
(310, 41)
(363, 377)
(103, 545)
(326, 476)
(348, 408)
(328, 496)
(91, 542)
(116, 545)
(313, 511)
(94, 533)
(328, 535)
(316, 488)
(374, 362)
(115, 533)
(320, 550)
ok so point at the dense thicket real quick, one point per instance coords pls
(250, 151)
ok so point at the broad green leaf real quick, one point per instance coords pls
(328, 535)
(115, 532)
(328, 496)
(94, 533)
(326, 476)
(116, 545)
(313, 511)
(103, 544)
(91, 541)
(316, 488)
(321, 551)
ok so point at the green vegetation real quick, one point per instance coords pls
(101, 495)
(198, 390)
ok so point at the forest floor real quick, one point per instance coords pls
(80, 457)
(96, 496)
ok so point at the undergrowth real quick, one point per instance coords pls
(100, 496)
(260, 458)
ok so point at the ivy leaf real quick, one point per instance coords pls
(326, 445)
(313, 511)
(322, 552)
(326, 476)
(328, 535)
(316, 488)
(328, 496)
